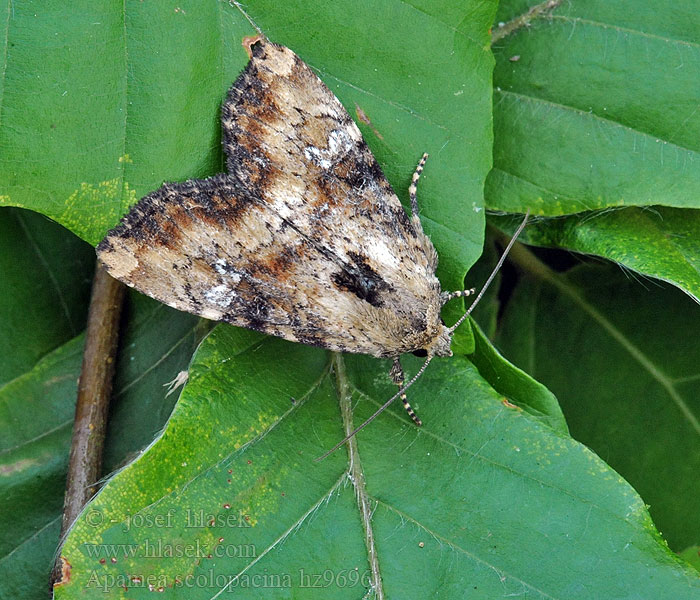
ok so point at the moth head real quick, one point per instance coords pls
(441, 344)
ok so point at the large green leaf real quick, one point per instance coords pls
(134, 92)
(595, 106)
(36, 420)
(622, 358)
(484, 497)
(44, 277)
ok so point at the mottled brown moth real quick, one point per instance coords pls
(302, 238)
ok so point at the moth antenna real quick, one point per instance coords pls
(380, 410)
(496, 269)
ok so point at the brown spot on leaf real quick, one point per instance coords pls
(362, 116)
(507, 403)
(66, 568)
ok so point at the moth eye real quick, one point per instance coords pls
(422, 353)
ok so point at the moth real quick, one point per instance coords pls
(303, 237)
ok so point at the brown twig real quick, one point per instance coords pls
(94, 390)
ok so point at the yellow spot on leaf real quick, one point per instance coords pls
(96, 207)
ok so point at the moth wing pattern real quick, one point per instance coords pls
(304, 238)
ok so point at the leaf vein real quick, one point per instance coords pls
(30, 538)
(621, 29)
(451, 544)
(443, 23)
(54, 282)
(286, 533)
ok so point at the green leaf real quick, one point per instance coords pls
(504, 377)
(36, 418)
(622, 359)
(45, 274)
(660, 241)
(595, 105)
(516, 385)
(239, 449)
(44, 277)
(135, 92)
(34, 451)
(44, 288)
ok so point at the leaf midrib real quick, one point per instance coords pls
(356, 474)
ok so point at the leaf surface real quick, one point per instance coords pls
(622, 359)
(659, 241)
(596, 108)
(46, 272)
(239, 451)
(595, 105)
(44, 289)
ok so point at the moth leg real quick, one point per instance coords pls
(412, 192)
(445, 297)
(398, 378)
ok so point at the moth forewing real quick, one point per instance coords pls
(303, 238)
